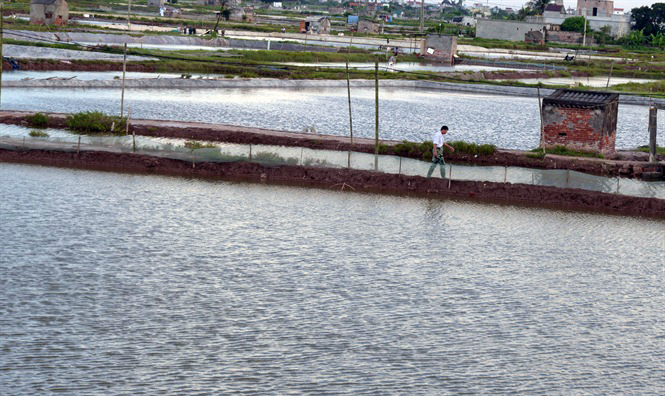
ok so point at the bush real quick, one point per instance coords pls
(575, 24)
(473, 148)
(38, 120)
(36, 133)
(96, 122)
(414, 150)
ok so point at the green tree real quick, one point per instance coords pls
(574, 24)
(537, 6)
(651, 20)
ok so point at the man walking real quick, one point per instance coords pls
(437, 152)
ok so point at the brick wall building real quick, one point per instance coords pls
(581, 120)
(439, 48)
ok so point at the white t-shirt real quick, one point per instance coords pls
(439, 139)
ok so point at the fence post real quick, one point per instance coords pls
(450, 174)
(129, 114)
(618, 178)
(400, 166)
(348, 159)
(78, 146)
(134, 141)
(348, 89)
(567, 176)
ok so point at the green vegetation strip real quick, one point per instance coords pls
(562, 150)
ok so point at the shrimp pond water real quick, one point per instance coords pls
(135, 284)
(411, 114)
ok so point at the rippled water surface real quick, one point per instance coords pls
(507, 122)
(127, 284)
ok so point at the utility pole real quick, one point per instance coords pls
(422, 16)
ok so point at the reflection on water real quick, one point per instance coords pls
(411, 114)
(125, 284)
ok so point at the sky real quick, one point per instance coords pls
(627, 5)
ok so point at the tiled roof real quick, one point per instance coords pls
(587, 99)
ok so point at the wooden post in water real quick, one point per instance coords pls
(542, 136)
(2, 32)
(129, 114)
(450, 173)
(348, 88)
(122, 95)
(376, 119)
(652, 133)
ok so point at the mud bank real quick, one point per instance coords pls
(346, 179)
(476, 88)
(630, 165)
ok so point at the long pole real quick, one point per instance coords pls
(2, 31)
(584, 38)
(348, 88)
(376, 133)
(652, 133)
(122, 95)
(129, 10)
(610, 76)
(540, 108)
(422, 16)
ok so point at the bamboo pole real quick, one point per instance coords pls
(540, 109)
(610, 76)
(129, 114)
(2, 32)
(450, 173)
(129, 11)
(376, 120)
(122, 95)
(652, 133)
(348, 88)
(422, 16)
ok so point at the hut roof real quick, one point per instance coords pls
(582, 99)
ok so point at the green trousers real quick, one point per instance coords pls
(438, 160)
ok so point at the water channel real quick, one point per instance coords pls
(411, 114)
(130, 284)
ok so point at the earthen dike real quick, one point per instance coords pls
(345, 179)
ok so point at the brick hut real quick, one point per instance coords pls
(581, 120)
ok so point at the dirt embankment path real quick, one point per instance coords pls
(632, 165)
(346, 179)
